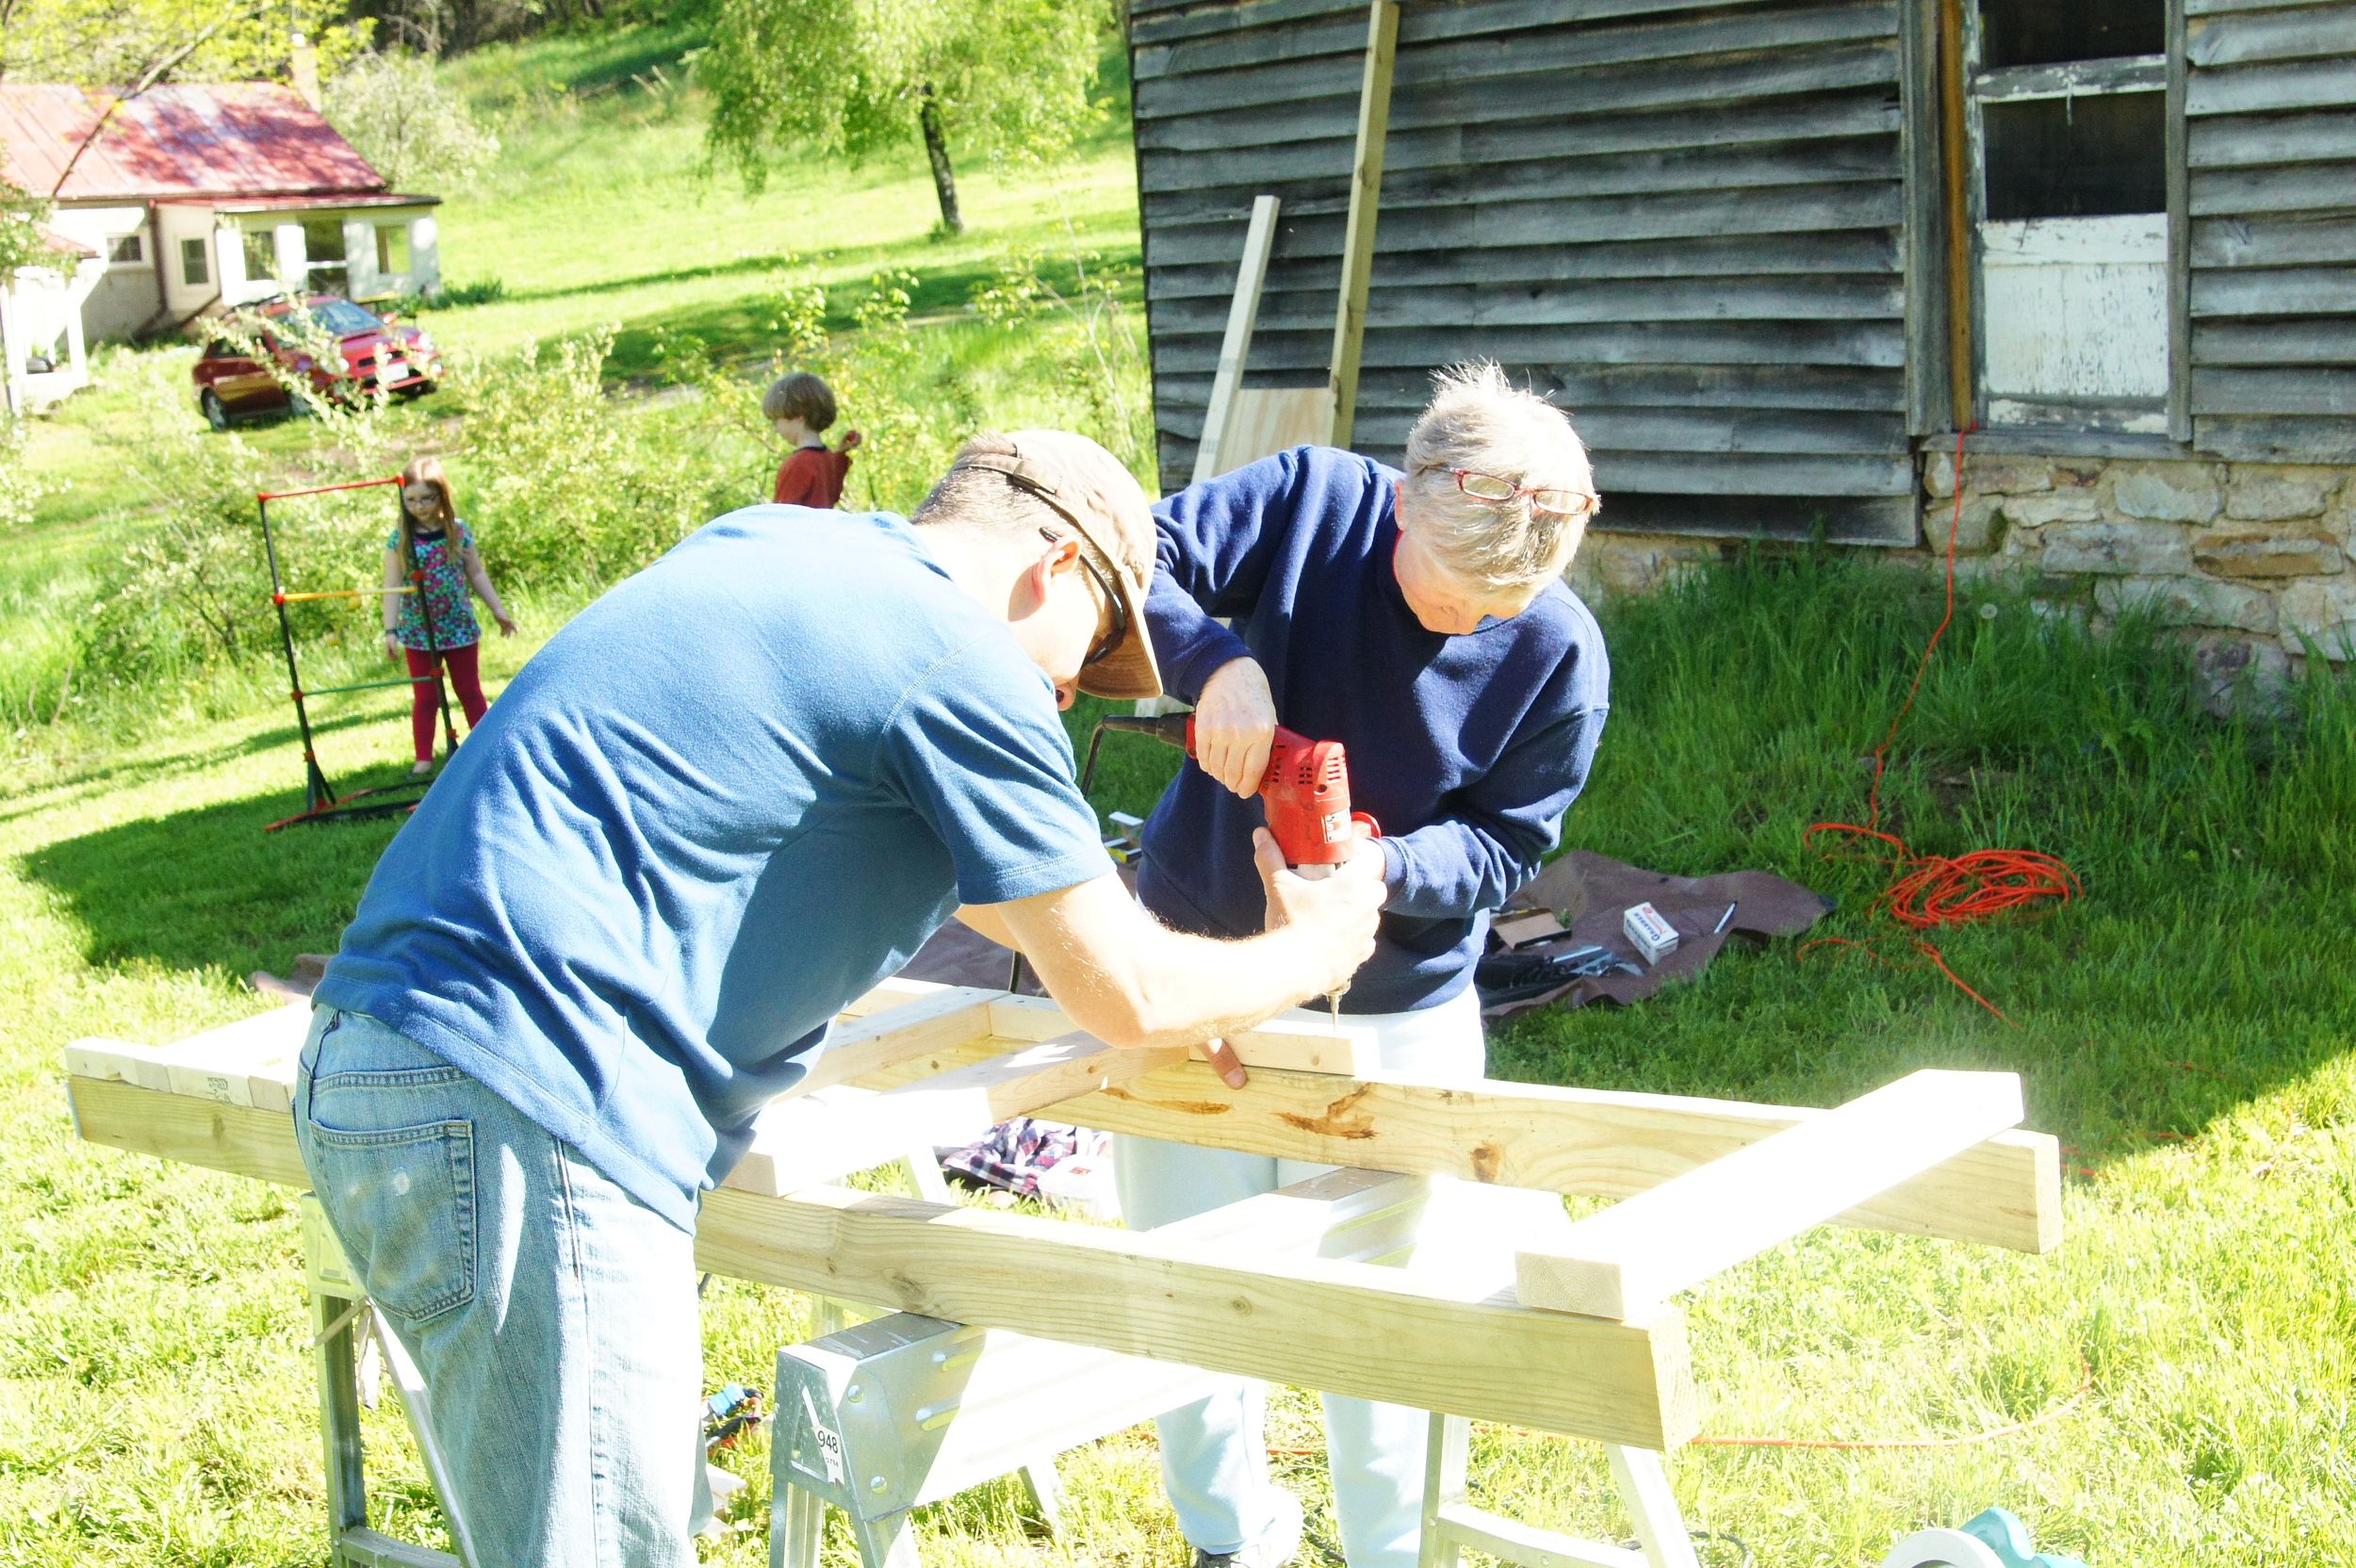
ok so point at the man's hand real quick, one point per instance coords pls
(1234, 724)
(1336, 914)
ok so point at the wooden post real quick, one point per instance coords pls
(1366, 194)
(2177, 133)
(1257, 241)
(1954, 142)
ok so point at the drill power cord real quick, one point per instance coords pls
(1927, 891)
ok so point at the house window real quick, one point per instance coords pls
(261, 253)
(327, 270)
(392, 247)
(129, 248)
(2068, 198)
(195, 269)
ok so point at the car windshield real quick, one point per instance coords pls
(339, 317)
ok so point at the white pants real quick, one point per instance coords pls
(1214, 1452)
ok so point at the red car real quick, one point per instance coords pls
(368, 352)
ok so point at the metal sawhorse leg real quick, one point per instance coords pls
(342, 1319)
(1452, 1524)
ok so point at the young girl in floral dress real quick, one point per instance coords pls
(431, 540)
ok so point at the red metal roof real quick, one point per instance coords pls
(234, 140)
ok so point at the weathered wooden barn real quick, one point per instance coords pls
(1773, 253)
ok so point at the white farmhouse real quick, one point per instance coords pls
(188, 201)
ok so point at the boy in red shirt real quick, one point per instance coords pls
(798, 407)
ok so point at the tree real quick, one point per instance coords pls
(852, 76)
(112, 42)
(404, 121)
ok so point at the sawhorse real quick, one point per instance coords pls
(907, 1409)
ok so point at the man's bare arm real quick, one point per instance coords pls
(1131, 981)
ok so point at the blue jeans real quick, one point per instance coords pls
(1214, 1452)
(552, 1315)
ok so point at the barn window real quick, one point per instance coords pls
(130, 248)
(2068, 194)
(196, 268)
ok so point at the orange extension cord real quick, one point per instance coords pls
(1927, 891)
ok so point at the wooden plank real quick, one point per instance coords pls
(1179, 190)
(2239, 140)
(2306, 84)
(1366, 202)
(2276, 439)
(1314, 1321)
(2301, 340)
(243, 1140)
(1526, 1545)
(249, 1062)
(2294, 391)
(1312, 1044)
(2006, 1192)
(1324, 109)
(1723, 387)
(1563, 130)
(2018, 84)
(1269, 420)
(1927, 384)
(2286, 291)
(2287, 188)
(1236, 347)
(1695, 431)
(1754, 473)
(1477, 68)
(802, 1141)
(2311, 32)
(2232, 242)
(915, 1028)
(1879, 521)
(1862, 254)
(1616, 300)
(894, 992)
(1350, 1328)
(1635, 1255)
(1418, 23)
(2177, 171)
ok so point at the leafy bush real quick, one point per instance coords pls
(482, 291)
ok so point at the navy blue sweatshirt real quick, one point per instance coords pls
(1466, 750)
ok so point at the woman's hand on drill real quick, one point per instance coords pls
(1234, 725)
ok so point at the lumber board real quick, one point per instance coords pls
(1638, 1253)
(802, 1141)
(243, 1140)
(1296, 1044)
(251, 1062)
(1366, 204)
(1243, 311)
(1265, 420)
(2329, 188)
(2276, 438)
(917, 1027)
(1462, 1346)
(2004, 1192)
(2304, 391)
(1350, 1327)
(2326, 84)
(2313, 32)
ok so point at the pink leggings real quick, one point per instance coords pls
(465, 677)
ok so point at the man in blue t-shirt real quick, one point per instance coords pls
(1420, 619)
(726, 799)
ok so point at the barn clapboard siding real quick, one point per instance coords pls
(2271, 149)
(1683, 218)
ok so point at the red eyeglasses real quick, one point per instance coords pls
(1497, 491)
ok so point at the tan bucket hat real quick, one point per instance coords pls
(1104, 502)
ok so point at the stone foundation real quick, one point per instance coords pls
(2248, 558)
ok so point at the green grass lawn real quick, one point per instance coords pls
(2186, 1028)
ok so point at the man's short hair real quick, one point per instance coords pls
(987, 501)
(801, 396)
(1481, 422)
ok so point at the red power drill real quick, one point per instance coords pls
(1305, 791)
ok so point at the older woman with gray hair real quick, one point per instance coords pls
(1421, 618)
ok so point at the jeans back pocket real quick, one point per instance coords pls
(403, 1202)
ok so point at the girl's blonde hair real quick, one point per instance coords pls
(423, 470)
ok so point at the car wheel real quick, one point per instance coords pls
(216, 412)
